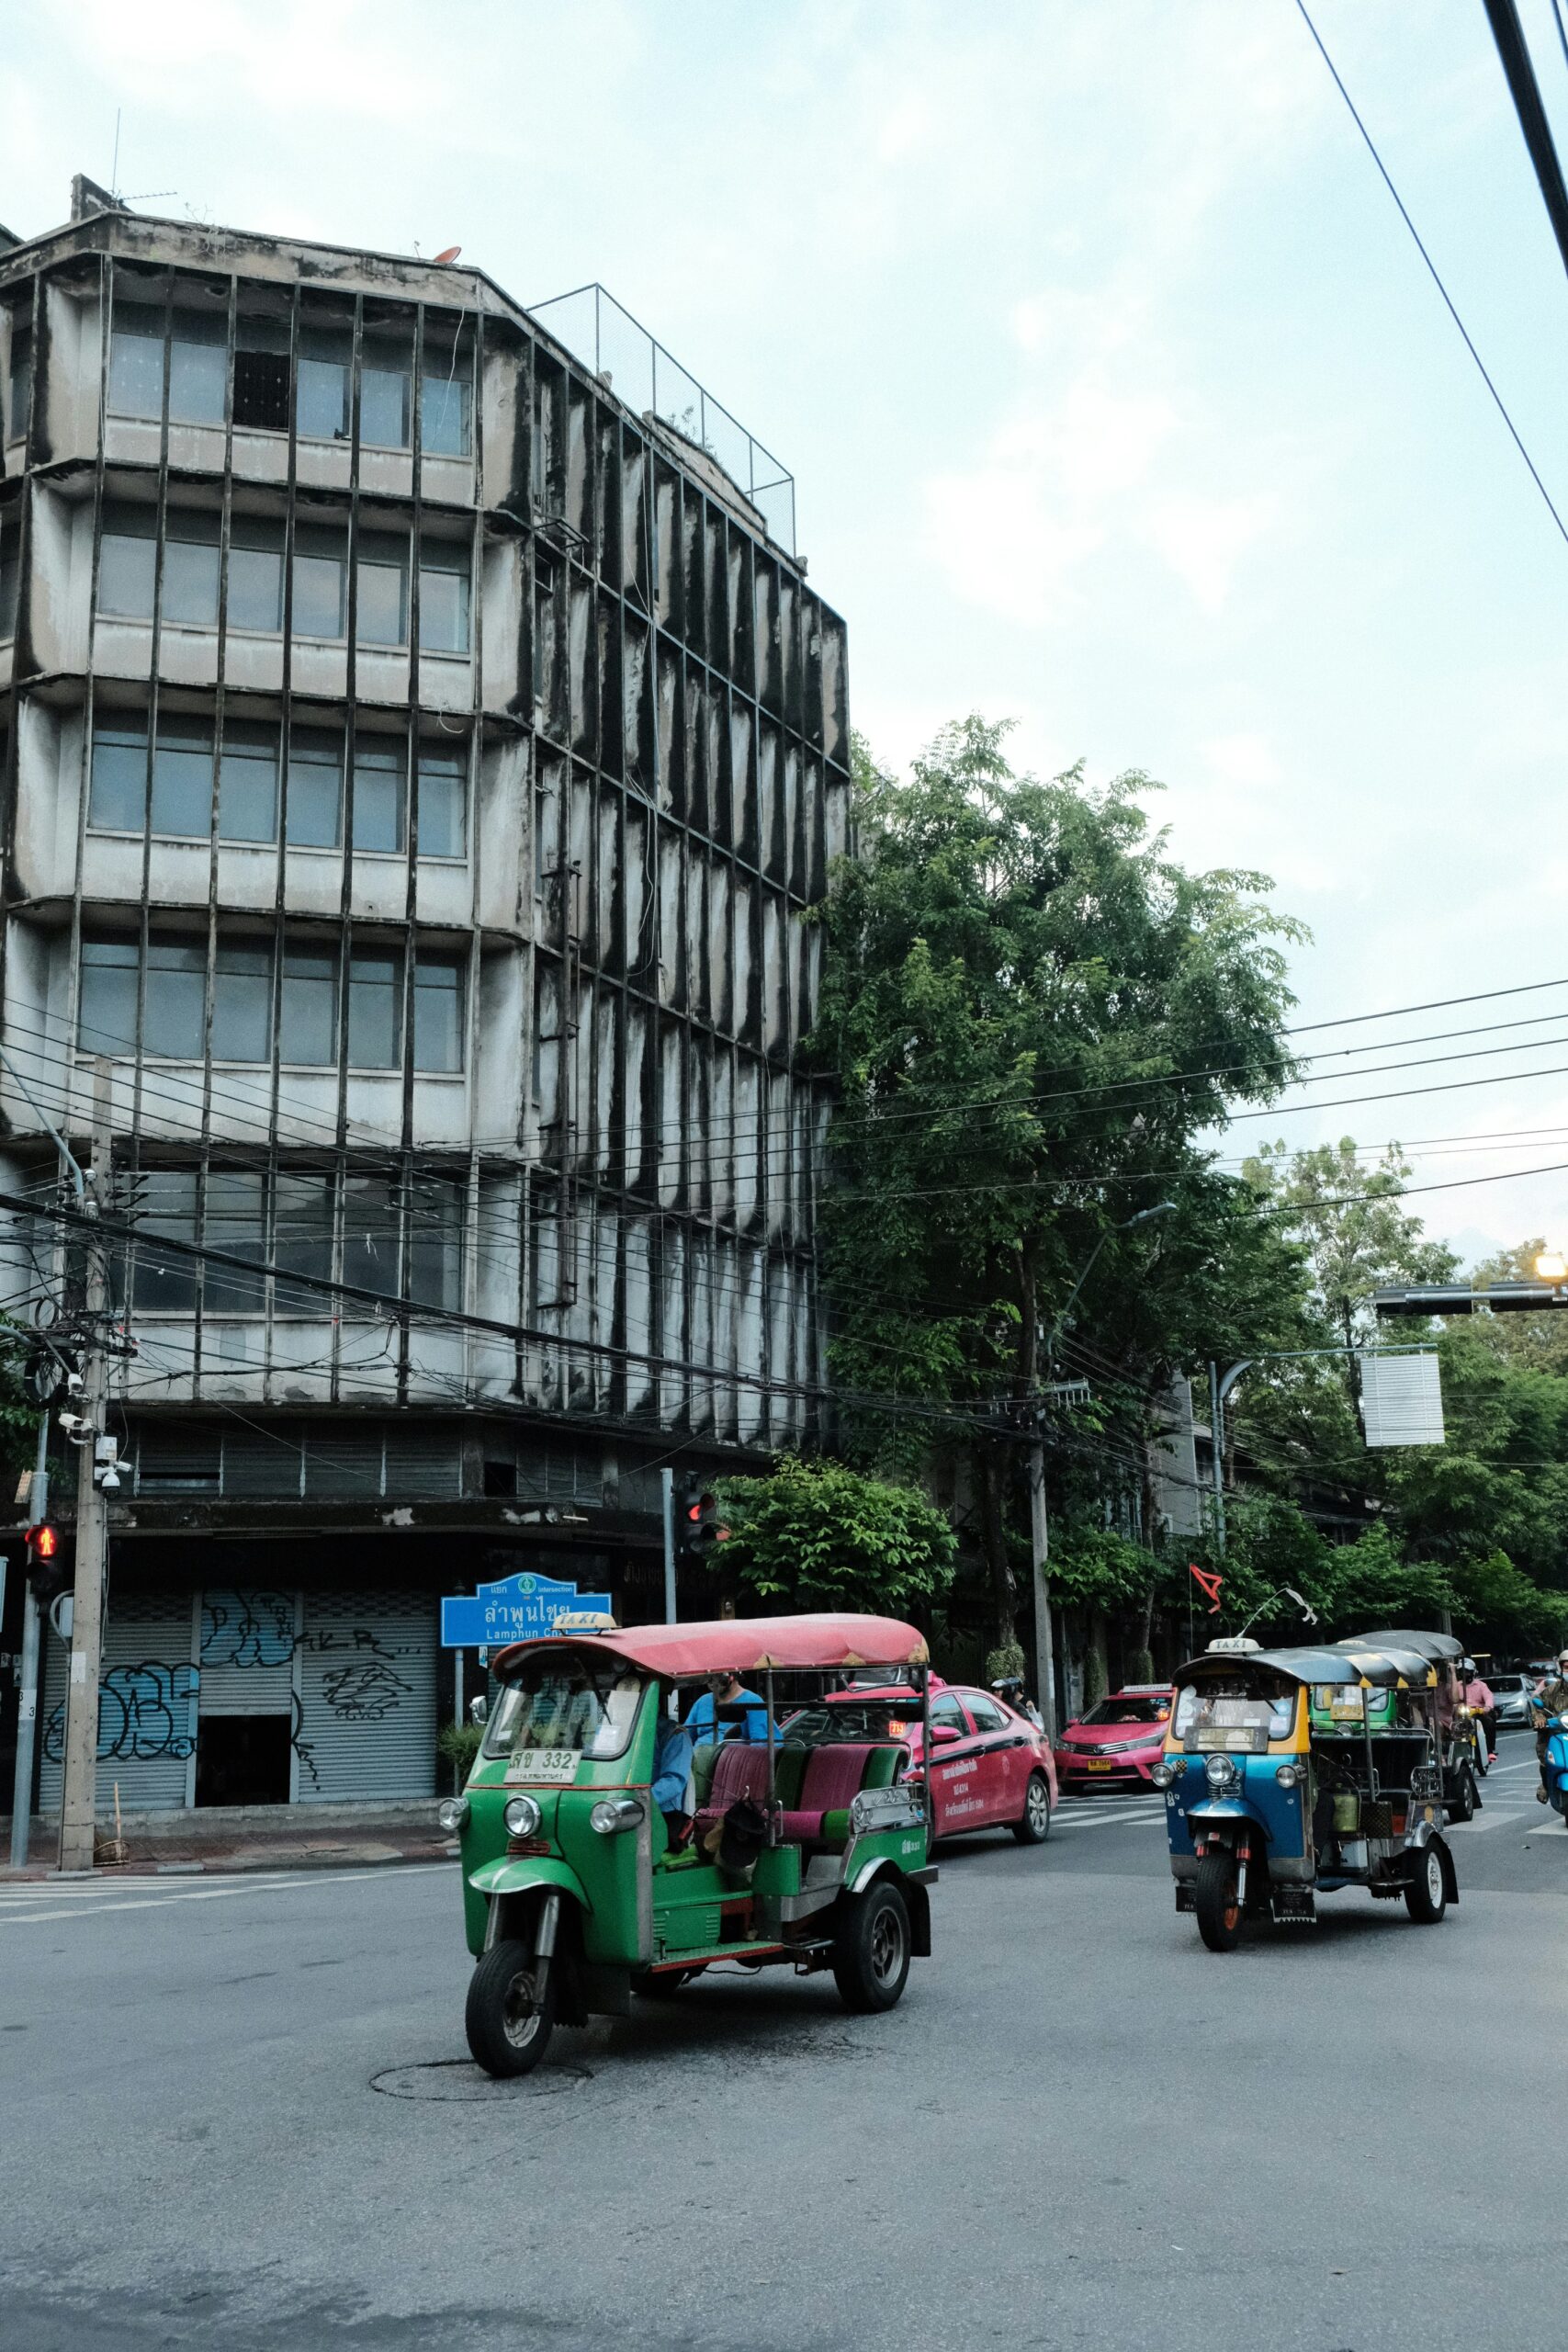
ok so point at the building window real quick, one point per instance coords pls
(302, 1239)
(443, 596)
(320, 583)
(20, 405)
(370, 1235)
(438, 1012)
(382, 617)
(446, 403)
(261, 374)
(127, 565)
(308, 1034)
(315, 789)
(247, 783)
(117, 801)
(379, 764)
(198, 364)
(10, 580)
(322, 402)
(242, 1002)
(182, 779)
(435, 1240)
(375, 1011)
(166, 1285)
(255, 574)
(235, 1220)
(383, 401)
(443, 804)
(106, 1004)
(174, 1000)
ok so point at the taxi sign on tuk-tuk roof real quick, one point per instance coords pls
(745, 1645)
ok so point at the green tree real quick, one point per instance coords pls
(1033, 1013)
(1357, 1236)
(1535, 1342)
(821, 1535)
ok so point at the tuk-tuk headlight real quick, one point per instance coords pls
(451, 1813)
(1220, 1772)
(616, 1813)
(1289, 1776)
(522, 1816)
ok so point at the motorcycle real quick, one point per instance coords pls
(1557, 1765)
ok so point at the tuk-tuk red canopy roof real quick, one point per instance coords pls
(742, 1644)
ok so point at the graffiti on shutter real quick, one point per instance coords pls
(147, 1700)
(247, 1653)
(365, 1722)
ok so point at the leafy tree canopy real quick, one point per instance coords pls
(819, 1535)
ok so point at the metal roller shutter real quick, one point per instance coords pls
(247, 1653)
(147, 1698)
(367, 1682)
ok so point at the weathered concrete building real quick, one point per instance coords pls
(418, 759)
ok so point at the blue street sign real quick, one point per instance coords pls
(516, 1609)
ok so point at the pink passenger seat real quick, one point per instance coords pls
(833, 1776)
(741, 1769)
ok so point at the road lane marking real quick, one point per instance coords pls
(17, 1916)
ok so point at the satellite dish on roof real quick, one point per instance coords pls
(450, 255)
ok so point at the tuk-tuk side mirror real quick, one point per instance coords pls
(479, 1709)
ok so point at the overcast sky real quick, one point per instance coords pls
(1118, 401)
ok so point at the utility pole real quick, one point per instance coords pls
(667, 1501)
(26, 1699)
(78, 1811)
(1039, 1529)
(1217, 1444)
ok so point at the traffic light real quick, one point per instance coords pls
(47, 1571)
(698, 1529)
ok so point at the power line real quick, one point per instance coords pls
(1432, 267)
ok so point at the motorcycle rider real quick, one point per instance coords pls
(1551, 1699)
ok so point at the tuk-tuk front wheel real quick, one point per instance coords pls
(1461, 1804)
(508, 2029)
(870, 1950)
(1426, 1896)
(1217, 1903)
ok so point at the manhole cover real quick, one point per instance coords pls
(460, 2078)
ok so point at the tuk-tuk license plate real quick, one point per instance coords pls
(542, 1764)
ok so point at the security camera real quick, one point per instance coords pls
(109, 1482)
(71, 1421)
(74, 1384)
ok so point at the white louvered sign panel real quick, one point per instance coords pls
(1401, 1400)
(368, 1696)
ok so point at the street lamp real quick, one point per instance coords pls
(1143, 1216)
(1551, 1266)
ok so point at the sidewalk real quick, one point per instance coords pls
(261, 1837)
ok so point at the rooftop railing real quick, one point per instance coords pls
(605, 336)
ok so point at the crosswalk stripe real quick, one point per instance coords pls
(13, 1914)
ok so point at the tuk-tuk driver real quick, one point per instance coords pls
(675, 1790)
(1551, 1699)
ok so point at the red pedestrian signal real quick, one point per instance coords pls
(44, 1541)
(47, 1571)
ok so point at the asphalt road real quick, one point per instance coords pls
(239, 2114)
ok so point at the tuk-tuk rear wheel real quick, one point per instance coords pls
(1216, 1902)
(508, 2031)
(1426, 1896)
(1461, 1806)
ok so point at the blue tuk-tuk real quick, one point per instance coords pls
(1292, 1773)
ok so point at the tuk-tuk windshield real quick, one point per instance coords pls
(566, 1703)
(1223, 1713)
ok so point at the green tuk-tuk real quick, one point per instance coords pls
(590, 1875)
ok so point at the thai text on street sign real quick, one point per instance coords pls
(515, 1610)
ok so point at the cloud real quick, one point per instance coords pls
(189, 56)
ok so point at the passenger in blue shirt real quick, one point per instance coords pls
(726, 1691)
